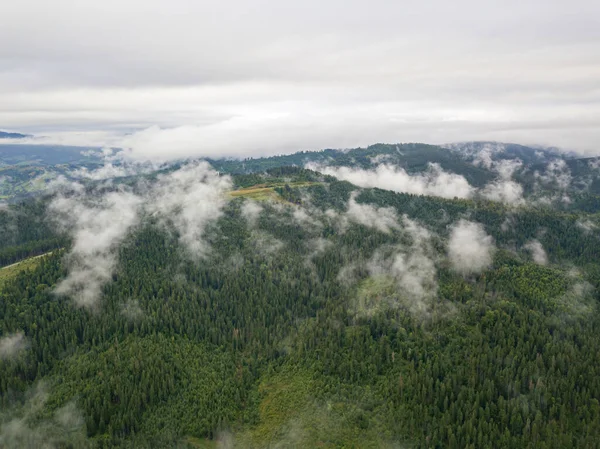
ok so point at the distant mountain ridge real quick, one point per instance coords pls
(8, 135)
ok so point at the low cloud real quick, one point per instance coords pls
(537, 252)
(557, 173)
(317, 246)
(383, 219)
(23, 426)
(435, 181)
(503, 189)
(115, 165)
(556, 177)
(11, 345)
(411, 270)
(131, 310)
(306, 217)
(266, 245)
(251, 210)
(587, 225)
(98, 225)
(187, 200)
(470, 248)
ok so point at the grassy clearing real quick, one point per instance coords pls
(262, 192)
(11, 271)
(290, 415)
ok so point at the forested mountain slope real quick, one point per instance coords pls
(285, 307)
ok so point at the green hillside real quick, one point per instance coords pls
(313, 314)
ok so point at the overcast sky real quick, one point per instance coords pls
(259, 77)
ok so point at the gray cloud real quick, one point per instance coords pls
(267, 78)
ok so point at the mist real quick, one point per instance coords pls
(503, 189)
(470, 248)
(435, 181)
(251, 211)
(24, 426)
(11, 345)
(401, 276)
(97, 225)
(537, 252)
(186, 201)
(383, 219)
(189, 199)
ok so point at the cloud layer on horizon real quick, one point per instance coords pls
(273, 78)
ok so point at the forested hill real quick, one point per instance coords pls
(452, 305)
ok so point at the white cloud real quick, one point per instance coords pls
(131, 309)
(190, 198)
(537, 252)
(435, 181)
(251, 210)
(98, 226)
(470, 248)
(27, 425)
(383, 219)
(504, 191)
(412, 269)
(559, 172)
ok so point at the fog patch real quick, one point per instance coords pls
(27, 427)
(348, 274)
(115, 165)
(251, 211)
(131, 310)
(402, 276)
(578, 301)
(383, 219)
(185, 200)
(11, 345)
(189, 199)
(98, 226)
(470, 248)
(507, 224)
(587, 225)
(434, 181)
(266, 245)
(380, 158)
(306, 218)
(503, 189)
(537, 252)
(556, 176)
(317, 247)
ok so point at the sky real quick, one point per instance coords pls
(254, 77)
